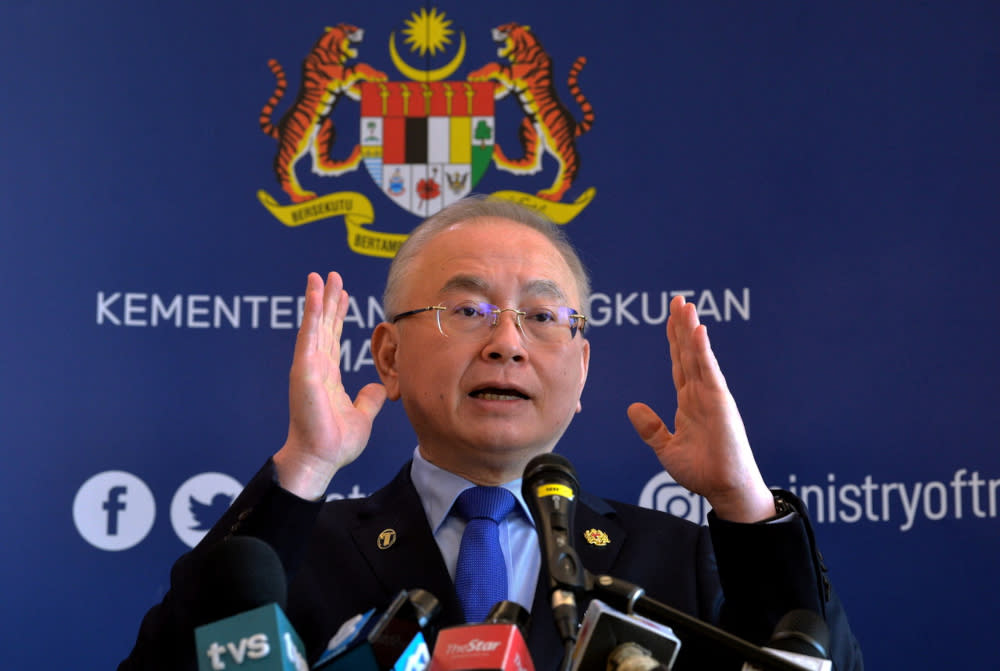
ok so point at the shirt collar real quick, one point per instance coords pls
(439, 488)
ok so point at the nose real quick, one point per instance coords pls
(506, 340)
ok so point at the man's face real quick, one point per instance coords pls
(483, 408)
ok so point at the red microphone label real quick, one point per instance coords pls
(481, 647)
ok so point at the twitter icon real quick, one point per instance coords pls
(199, 503)
(206, 514)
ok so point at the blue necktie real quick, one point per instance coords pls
(481, 575)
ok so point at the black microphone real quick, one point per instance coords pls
(802, 637)
(242, 596)
(804, 632)
(238, 574)
(550, 488)
(633, 600)
(494, 645)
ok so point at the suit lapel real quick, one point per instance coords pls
(598, 558)
(414, 560)
(407, 556)
(598, 551)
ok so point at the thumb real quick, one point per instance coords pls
(649, 426)
(370, 399)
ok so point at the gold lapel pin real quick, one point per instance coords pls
(386, 539)
(596, 537)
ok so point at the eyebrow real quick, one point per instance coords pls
(534, 288)
(465, 283)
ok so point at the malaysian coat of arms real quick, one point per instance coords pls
(427, 140)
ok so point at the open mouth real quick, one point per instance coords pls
(498, 394)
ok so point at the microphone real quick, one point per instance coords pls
(802, 637)
(634, 600)
(802, 631)
(244, 575)
(633, 657)
(612, 640)
(550, 488)
(399, 639)
(494, 645)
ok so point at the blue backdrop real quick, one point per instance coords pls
(821, 178)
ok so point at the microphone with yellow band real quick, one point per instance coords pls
(550, 490)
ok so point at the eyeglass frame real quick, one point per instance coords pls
(578, 321)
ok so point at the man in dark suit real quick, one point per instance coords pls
(484, 345)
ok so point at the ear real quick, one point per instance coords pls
(385, 344)
(585, 366)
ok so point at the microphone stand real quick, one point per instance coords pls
(632, 600)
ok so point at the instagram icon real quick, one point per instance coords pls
(663, 493)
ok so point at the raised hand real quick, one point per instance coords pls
(708, 452)
(327, 429)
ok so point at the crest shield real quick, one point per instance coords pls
(427, 144)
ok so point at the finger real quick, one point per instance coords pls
(704, 358)
(370, 400)
(676, 370)
(343, 302)
(681, 324)
(649, 426)
(308, 335)
(693, 339)
(331, 306)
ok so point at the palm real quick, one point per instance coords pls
(327, 429)
(323, 415)
(708, 452)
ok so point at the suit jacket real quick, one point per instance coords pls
(337, 568)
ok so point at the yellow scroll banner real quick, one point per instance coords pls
(340, 204)
(560, 213)
(356, 210)
(358, 213)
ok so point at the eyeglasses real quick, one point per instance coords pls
(473, 320)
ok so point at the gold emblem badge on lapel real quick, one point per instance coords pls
(596, 537)
(386, 539)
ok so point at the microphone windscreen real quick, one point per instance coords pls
(238, 574)
(548, 463)
(425, 606)
(802, 631)
(509, 612)
(632, 657)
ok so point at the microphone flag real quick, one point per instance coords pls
(484, 647)
(604, 629)
(261, 639)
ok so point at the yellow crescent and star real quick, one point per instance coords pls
(425, 32)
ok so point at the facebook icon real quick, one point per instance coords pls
(114, 505)
(114, 510)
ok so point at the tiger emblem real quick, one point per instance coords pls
(307, 126)
(547, 125)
